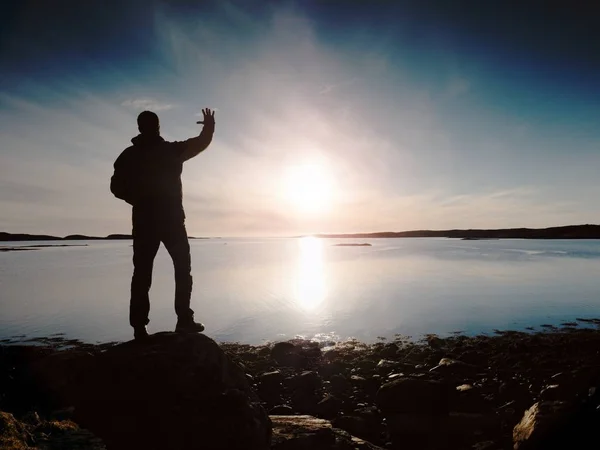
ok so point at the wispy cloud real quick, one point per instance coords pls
(147, 104)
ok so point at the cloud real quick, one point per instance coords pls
(147, 104)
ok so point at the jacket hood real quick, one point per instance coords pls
(145, 139)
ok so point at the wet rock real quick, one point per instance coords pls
(393, 376)
(551, 392)
(310, 433)
(270, 388)
(412, 395)
(539, 423)
(352, 424)
(366, 365)
(32, 418)
(170, 391)
(386, 366)
(389, 350)
(331, 355)
(305, 402)
(468, 399)
(281, 350)
(402, 424)
(282, 410)
(357, 380)
(308, 381)
(271, 378)
(471, 423)
(332, 368)
(339, 384)
(12, 432)
(329, 407)
(40, 434)
(454, 367)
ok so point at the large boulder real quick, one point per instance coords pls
(168, 391)
(540, 423)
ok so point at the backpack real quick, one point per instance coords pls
(120, 182)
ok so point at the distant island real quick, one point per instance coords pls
(566, 232)
(13, 237)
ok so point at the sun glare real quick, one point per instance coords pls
(308, 188)
(309, 289)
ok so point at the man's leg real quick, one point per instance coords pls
(176, 242)
(145, 245)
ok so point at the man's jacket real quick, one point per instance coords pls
(147, 174)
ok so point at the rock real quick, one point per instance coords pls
(45, 435)
(357, 380)
(281, 349)
(12, 433)
(169, 391)
(402, 424)
(282, 410)
(454, 367)
(393, 376)
(339, 384)
(310, 433)
(389, 350)
(385, 366)
(287, 354)
(551, 393)
(66, 435)
(352, 424)
(366, 365)
(333, 368)
(270, 388)
(32, 418)
(329, 407)
(305, 402)
(471, 423)
(308, 381)
(271, 378)
(539, 423)
(412, 395)
(469, 399)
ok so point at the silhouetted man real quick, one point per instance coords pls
(148, 176)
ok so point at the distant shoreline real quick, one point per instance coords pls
(22, 237)
(566, 232)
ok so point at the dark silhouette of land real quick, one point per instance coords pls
(15, 237)
(566, 232)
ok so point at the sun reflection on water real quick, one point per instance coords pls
(309, 286)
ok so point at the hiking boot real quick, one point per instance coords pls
(188, 326)
(140, 333)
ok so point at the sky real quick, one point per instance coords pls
(331, 116)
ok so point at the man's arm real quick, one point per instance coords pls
(194, 146)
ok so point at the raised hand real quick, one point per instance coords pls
(209, 117)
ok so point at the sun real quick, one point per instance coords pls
(308, 187)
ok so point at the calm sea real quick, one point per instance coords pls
(256, 290)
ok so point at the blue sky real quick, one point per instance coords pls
(411, 115)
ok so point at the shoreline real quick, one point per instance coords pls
(59, 341)
(493, 379)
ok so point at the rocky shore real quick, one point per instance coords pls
(510, 390)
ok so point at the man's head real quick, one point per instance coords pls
(148, 123)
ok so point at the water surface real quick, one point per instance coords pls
(254, 290)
